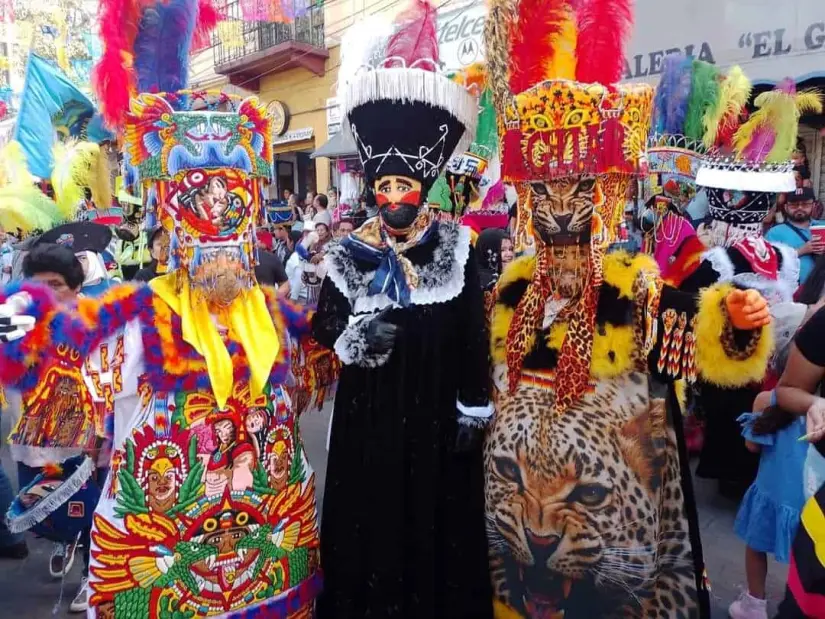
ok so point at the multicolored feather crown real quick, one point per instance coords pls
(753, 153)
(692, 98)
(406, 117)
(553, 66)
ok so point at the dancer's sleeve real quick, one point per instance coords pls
(692, 336)
(78, 329)
(474, 404)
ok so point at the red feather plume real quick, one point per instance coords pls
(415, 42)
(539, 21)
(208, 18)
(113, 79)
(604, 26)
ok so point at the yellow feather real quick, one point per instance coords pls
(562, 65)
(733, 95)
(79, 165)
(809, 101)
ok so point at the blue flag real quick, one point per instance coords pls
(52, 105)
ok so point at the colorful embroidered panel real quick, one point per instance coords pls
(214, 511)
(561, 128)
(59, 411)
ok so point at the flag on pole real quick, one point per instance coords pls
(52, 105)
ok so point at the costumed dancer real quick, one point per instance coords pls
(590, 511)
(403, 526)
(747, 164)
(210, 509)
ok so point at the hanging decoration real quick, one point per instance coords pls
(230, 34)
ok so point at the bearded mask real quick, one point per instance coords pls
(205, 179)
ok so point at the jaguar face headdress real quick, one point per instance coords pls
(553, 68)
(203, 172)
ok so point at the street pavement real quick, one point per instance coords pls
(28, 592)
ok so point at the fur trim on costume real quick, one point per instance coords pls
(613, 351)
(622, 269)
(19, 359)
(352, 348)
(613, 342)
(502, 611)
(441, 279)
(718, 359)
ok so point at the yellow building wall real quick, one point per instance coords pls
(305, 94)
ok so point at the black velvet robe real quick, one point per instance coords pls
(403, 517)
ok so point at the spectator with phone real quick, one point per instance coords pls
(800, 230)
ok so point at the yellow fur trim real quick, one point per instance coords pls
(621, 270)
(712, 362)
(680, 387)
(619, 341)
(520, 269)
(502, 611)
(556, 336)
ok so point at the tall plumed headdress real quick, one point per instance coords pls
(753, 153)
(146, 47)
(692, 97)
(552, 67)
(406, 117)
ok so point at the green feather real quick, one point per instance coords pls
(704, 93)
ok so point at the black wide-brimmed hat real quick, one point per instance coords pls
(79, 236)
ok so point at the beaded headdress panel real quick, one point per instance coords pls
(203, 172)
(553, 68)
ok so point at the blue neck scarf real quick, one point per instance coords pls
(389, 278)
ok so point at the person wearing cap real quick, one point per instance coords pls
(796, 231)
(159, 250)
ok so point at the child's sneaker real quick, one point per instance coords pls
(748, 607)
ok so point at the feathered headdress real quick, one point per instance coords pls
(549, 58)
(146, 46)
(24, 207)
(79, 165)
(754, 153)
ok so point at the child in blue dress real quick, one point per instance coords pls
(770, 511)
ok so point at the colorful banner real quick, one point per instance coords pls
(52, 105)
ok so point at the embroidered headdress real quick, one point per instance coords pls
(407, 118)
(566, 129)
(203, 172)
(552, 67)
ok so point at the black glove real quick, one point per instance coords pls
(468, 438)
(381, 333)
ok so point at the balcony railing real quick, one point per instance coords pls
(307, 28)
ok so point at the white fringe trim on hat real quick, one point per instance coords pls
(416, 86)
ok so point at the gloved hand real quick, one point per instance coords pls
(381, 333)
(13, 323)
(469, 437)
(747, 309)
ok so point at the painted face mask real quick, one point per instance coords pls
(204, 172)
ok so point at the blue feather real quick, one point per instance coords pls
(162, 45)
(673, 94)
(680, 97)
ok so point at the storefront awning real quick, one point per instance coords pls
(339, 145)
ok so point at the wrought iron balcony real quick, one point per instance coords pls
(270, 48)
